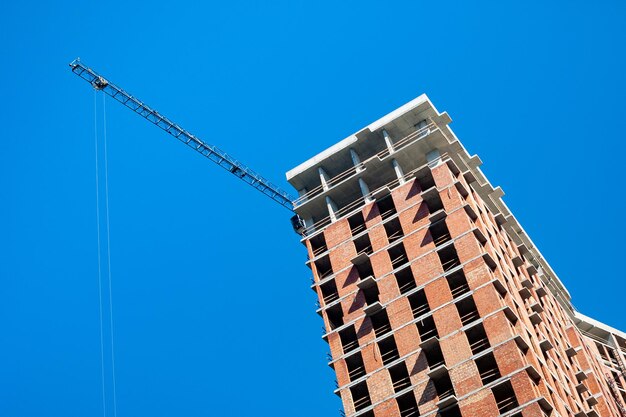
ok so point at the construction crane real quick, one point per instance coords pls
(215, 154)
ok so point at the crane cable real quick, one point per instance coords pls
(108, 254)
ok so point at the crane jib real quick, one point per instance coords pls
(211, 152)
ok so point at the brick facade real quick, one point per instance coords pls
(433, 303)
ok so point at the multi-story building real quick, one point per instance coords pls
(435, 300)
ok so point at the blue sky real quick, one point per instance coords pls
(212, 310)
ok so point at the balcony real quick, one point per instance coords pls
(349, 339)
(434, 358)
(505, 397)
(380, 323)
(448, 258)
(439, 233)
(535, 318)
(399, 377)
(373, 308)
(419, 303)
(524, 293)
(360, 396)
(477, 339)
(427, 331)
(526, 282)
(458, 284)
(408, 405)
(546, 345)
(405, 279)
(398, 255)
(366, 282)
(488, 368)
(467, 310)
(388, 350)
(536, 306)
(356, 367)
(445, 390)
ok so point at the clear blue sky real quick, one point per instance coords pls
(212, 306)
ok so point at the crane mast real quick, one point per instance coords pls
(216, 155)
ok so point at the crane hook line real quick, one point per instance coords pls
(108, 223)
(108, 255)
(95, 112)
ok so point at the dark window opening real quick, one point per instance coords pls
(505, 397)
(365, 268)
(388, 350)
(443, 386)
(348, 338)
(434, 356)
(399, 377)
(433, 201)
(363, 244)
(335, 316)
(448, 257)
(398, 255)
(426, 180)
(357, 223)
(467, 310)
(602, 352)
(318, 244)
(477, 339)
(406, 280)
(380, 323)
(488, 368)
(613, 356)
(323, 267)
(386, 207)
(360, 396)
(356, 367)
(329, 291)
(394, 230)
(440, 233)
(419, 303)
(451, 412)
(371, 294)
(458, 284)
(426, 328)
(408, 405)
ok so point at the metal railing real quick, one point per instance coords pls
(350, 207)
(355, 169)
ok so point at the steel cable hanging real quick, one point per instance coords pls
(108, 256)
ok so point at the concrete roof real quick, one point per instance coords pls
(345, 143)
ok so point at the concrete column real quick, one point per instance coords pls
(302, 192)
(398, 169)
(308, 223)
(388, 141)
(433, 158)
(421, 124)
(324, 178)
(365, 191)
(356, 161)
(332, 209)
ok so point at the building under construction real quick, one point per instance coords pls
(435, 300)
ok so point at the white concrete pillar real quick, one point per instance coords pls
(433, 158)
(302, 192)
(388, 141)
(365, 190)
(398, 169)
(308, 223)
(332, 209)
(324, 178)
(356, 161)
(421, 124)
